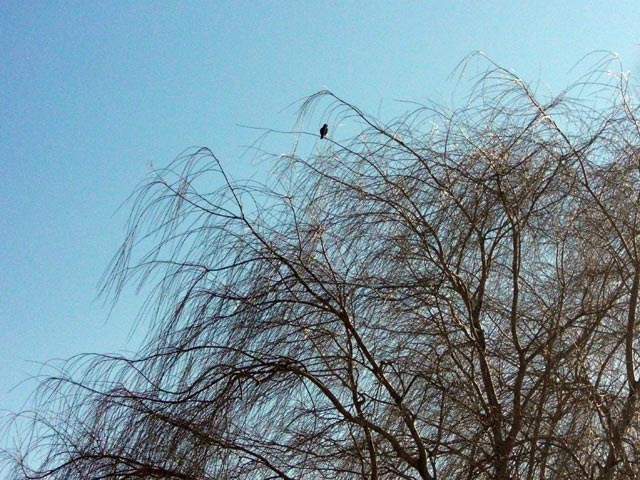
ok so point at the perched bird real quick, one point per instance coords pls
(323, 131)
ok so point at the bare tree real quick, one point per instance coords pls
(449, 295)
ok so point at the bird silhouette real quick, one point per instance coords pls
(323, 131)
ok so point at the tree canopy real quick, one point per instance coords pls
(451, 294)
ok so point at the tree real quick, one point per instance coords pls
(450, 295)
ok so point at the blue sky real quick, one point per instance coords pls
(92, 92)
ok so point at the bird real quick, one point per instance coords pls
(323, 131)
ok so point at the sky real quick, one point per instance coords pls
(92, 92)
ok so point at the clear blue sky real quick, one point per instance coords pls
(91, 92)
